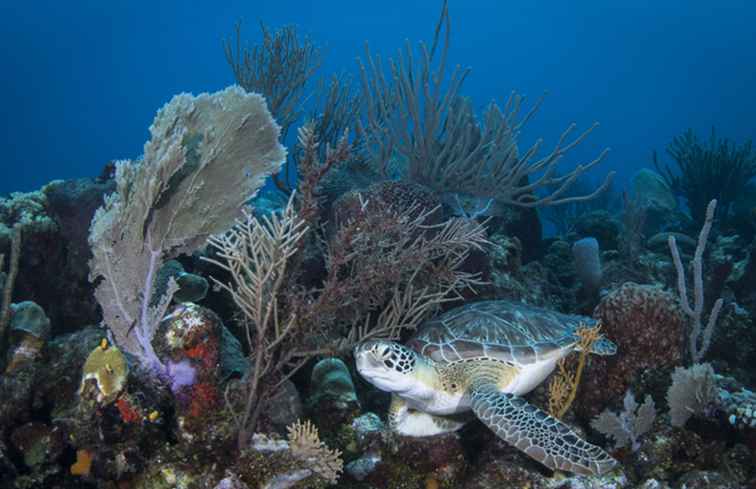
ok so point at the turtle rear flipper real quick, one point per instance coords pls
(542, 437)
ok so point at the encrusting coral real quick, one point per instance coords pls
(107, 366)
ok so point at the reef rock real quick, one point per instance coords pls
(30, 330)
(701, 479)
(189, 342)
(332, 392)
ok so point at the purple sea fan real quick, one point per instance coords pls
(181, 374)
(627, 426)
(208, 155)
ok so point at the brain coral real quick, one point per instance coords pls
(648, 325)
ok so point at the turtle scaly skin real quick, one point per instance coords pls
(479, 359)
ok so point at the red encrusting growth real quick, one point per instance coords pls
(204, 398)
(128, 413)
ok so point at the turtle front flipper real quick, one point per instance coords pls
(407, 422)
(542, 437)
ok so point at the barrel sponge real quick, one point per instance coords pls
(648, 325)
(587, 262)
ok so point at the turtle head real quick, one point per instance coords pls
(387, 365)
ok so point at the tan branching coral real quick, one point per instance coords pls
(256, 255)
(563, 387)
(305, 445)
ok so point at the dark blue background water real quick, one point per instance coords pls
(81, 81)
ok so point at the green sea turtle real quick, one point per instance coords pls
(482, 357)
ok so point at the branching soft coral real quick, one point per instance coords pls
(383, 252)
(387, 268)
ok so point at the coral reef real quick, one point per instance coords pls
(52, 270)
(397, 203)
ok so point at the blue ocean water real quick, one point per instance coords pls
(82, 80)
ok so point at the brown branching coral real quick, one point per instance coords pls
(312, 168)
(388, 259)
(384, 254)
(563, 387)
(305, 445)
(279, 69)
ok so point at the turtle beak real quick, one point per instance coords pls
(366, 356)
